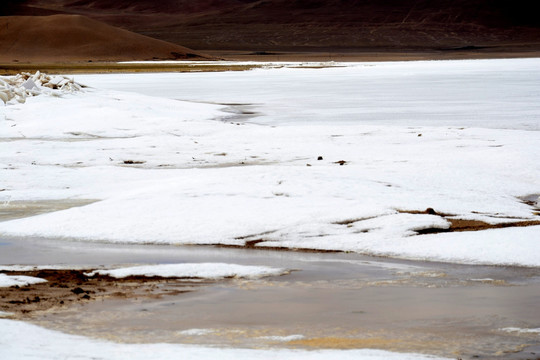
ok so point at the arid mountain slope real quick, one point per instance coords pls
(60, 38)
(314, 24)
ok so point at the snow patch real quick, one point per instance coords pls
(195, 270)
(19, 280)
(196, 332)
(521, 330)
(283, 338)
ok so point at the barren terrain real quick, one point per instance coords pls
(68, 38)
(321, 26)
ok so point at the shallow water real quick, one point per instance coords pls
(332, 300)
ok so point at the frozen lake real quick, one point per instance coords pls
(342, 158)
(354, 156)
(481, 93)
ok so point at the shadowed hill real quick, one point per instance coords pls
(61, 38)
(314, 24)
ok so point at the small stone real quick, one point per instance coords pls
(77, 291)
(320, 158)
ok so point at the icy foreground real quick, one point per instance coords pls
(19, 340)
(169, 171)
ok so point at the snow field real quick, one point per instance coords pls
(169, 171)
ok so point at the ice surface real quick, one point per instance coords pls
(199, 270)
(19, 280)
(17, 88)
(499, 93)
(460, 137)
(19, 340)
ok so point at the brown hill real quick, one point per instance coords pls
(315, 24)
(60, 38)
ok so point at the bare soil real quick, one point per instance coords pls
(66, 288)
(68, 38)
(269, 30)
(321, 25)
(458, 225)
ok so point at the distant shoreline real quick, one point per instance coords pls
(101, 67)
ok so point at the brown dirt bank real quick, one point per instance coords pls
(114, 67)
(101, 67)
(369, 55)
(68, 38)
(66, 288)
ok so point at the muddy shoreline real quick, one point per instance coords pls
(335, 300)
(258, 59)
(67, 288)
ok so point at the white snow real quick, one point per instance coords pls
(19, 340)
(283, 338)
(196, 270)
(521, 331)
(461, 137)
(19, 280)
(196, 332)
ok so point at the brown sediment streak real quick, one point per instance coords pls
(69, 287)
(475, 225)
(359, 343)
(253, 245)
(346, 343)
(458, 225)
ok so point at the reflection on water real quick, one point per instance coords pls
(334, 301)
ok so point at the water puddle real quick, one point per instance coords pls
(334, 300)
